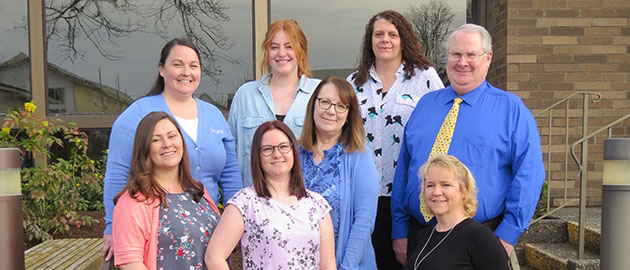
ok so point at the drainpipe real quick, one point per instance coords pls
(11, 231)
(615, 238)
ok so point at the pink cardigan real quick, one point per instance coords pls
(135, 227)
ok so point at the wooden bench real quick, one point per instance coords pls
(77, 254)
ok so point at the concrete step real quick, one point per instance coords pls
(559, 256)
(591, 236)
(525, 267)
(546, 231)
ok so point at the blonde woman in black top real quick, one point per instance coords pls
(456, 241)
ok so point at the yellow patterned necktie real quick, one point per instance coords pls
(441, 145)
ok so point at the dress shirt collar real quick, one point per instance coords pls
(302, 85)
(469, 98)
(374, 77)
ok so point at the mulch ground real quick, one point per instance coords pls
(93, 231)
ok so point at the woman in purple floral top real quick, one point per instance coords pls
(279, 223)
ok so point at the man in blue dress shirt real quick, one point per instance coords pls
(495, 136)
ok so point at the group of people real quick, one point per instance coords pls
(352, 173)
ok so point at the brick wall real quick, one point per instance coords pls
(495, 21)
(553, 48)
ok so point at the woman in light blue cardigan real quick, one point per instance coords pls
(210, 145)
(337, 164)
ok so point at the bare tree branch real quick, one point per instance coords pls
(432, 22)
(201, 22)
(103, 22)
(91, 20)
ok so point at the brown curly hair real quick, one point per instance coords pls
(411, 49)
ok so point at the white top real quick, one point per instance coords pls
(189, 126)
(385, 116)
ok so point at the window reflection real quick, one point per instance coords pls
(15, 87)
(334, 29)
(104, 54)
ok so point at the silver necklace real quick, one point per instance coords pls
(417, 263)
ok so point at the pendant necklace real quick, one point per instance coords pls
(416, 262)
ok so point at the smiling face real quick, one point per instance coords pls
(329, 122)
(165, 149)
(442, 192)
(386, 41)
(282, 57)
(463, 74)
(278, 164)
(181, 71)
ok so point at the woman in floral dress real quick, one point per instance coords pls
(338, 165)
(279, 223)
(163, 218)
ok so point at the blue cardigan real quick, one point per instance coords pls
(359, 199)
(212, 157)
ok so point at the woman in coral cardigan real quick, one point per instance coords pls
(163, 218)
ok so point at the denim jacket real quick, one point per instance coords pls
(253, 105)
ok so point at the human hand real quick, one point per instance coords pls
(508, 248)
(400, 248)
(108, 246)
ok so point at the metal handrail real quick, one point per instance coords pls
(609, 126)
(549, 109)
(582, 200)
(582, 171)
(599, 97)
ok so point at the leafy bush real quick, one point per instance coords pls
(92, 192)
(541, 206)
(52, 191)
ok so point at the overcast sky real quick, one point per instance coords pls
(334, 29)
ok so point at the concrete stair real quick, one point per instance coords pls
(551, 243)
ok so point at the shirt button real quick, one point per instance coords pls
(198, 167)
(196, 148)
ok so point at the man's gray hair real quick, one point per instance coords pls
(486, 40)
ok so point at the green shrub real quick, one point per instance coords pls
(55, 190)
(541, 206)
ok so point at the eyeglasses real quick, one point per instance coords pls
(472, 58)
(325, 105)
(267, 150)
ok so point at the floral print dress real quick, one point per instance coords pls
(277, 235)
(184, 230)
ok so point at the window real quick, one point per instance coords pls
(55, 95)
(118, 62)
(15, 88)
(334, 29)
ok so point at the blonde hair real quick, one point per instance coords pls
(298, 42)
(464, 177)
